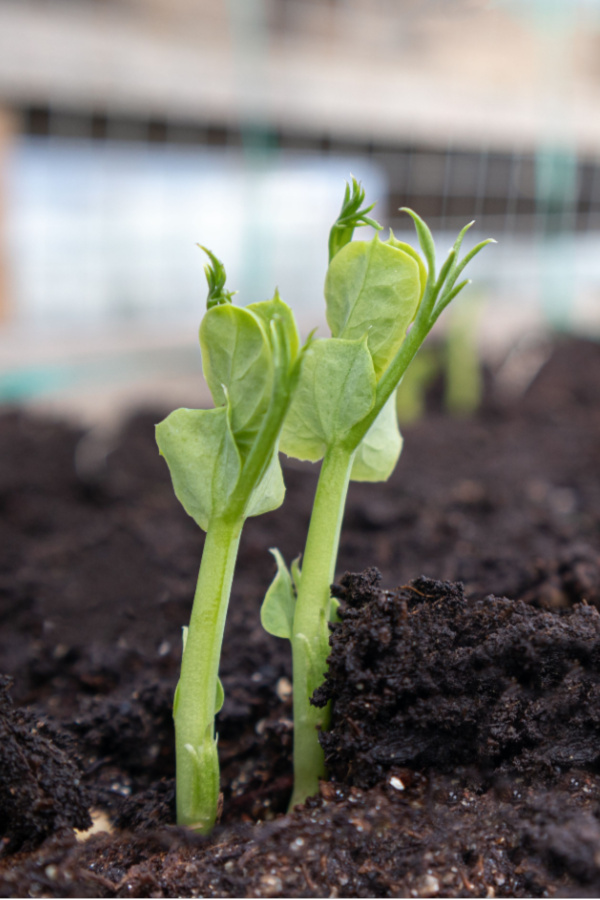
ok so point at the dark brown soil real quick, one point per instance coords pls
(423, 677)
(465, 750)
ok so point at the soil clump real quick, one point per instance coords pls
(426, 678)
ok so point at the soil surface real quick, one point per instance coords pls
(465, 680)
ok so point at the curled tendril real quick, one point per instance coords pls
(216, 277)
(351, 216)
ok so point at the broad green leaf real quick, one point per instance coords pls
(401, 245)
(237, 363)
(269, 493)
(335, 391)
(380, 448)
(373, 288)
(266, 310)
(202, 457)
(277, 610)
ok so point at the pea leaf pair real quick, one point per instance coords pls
(246, 352)
(372, 292)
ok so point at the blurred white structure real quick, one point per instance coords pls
(107, 233)
(130, 129)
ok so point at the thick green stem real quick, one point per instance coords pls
(310, 641)
(194, 708)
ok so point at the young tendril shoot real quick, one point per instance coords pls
(224, 467)
(343, 412)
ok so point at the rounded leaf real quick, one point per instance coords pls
(374, 288)
(277, 610)
(238, 367)
(203, 460)
(335, 391)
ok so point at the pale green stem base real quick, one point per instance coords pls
(310, 641)
(194, 707)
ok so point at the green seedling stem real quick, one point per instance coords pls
(310, 636)
(197, 763)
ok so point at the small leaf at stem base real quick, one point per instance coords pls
(277, 610)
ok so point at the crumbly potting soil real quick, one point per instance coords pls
(465, 682)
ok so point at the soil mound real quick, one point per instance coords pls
(424, 677)
(41, 791)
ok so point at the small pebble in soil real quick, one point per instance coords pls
(284, 689)
(271, 885)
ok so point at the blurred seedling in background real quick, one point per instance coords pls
(453, 359)
(464, 377)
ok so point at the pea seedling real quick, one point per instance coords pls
(382, 301)
(224, 467)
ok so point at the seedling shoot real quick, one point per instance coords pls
(224, 467)
(382, 300)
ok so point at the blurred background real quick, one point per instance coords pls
(130, 130)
